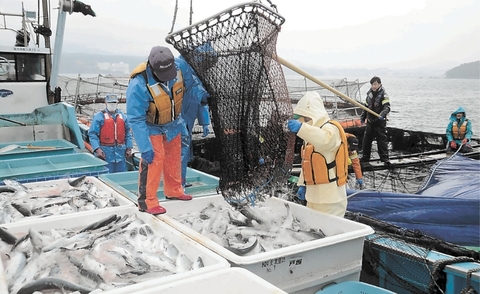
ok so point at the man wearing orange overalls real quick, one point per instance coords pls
(154, 104)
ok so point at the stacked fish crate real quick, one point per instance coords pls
(81, 235)
(295, 248)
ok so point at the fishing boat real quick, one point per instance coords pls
(40, 138)
(46, 130)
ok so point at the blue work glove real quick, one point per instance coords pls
(206, 131)
(360, 182)
(294, 125)
(148, 156)
(261, 161)
(301, 192)
(381, 118)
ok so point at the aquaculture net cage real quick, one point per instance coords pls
(407, 261)
(234, 55)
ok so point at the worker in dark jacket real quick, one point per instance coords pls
(376, 127)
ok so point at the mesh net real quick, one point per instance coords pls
(399, 260)
(234, 55)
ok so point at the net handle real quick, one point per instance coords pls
(333, 90)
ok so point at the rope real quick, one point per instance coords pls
(191, 12)
(439, 266)
(469, 288)
(174, 16)
(436, 166)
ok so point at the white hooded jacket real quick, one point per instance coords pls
(326, 140)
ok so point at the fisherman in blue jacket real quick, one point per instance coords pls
(459, 132)
(194, 106)
(110, 135)
(155, 97)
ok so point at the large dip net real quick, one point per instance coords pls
(234, 55)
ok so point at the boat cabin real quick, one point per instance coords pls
(23, 79)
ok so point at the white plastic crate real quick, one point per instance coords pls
(212, 262)
(232, 280)
(301, 268)
(103, 190)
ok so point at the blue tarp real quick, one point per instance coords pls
(446, 207)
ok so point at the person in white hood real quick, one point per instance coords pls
(322, 181)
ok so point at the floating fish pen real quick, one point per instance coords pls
(119, 252)
(303, 267)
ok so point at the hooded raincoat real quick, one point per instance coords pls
(457, 130)
(326, 139)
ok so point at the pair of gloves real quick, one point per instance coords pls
(453, 144)
(100, 154)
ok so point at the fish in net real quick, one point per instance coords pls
(234, 55)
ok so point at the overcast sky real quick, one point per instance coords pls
(325, 33)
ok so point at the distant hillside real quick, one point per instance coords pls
(80, 63)
(465, 71)
(117, 65)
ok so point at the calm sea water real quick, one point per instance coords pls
(419, 104)
(425, 104)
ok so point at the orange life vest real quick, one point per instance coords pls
(459, 132)
(316, 168)
(163, 109)
(112, 131)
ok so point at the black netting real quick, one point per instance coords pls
(234, 54)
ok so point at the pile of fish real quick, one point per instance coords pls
(251, 229)
(114, 252)
(18, 202)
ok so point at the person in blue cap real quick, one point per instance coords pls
(459, 132)
(155, 96)
(110, 135)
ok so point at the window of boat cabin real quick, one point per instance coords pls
(22, 67)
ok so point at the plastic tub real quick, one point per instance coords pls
(126, 183)
(212, 262)
(29, 149)
(56, 186)
(49, 166)
(303, 267)
(231, 280)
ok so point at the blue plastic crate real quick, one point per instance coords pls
(51, 167)
(126, 183)
(353, 287)
(62, 176)
(55, 147)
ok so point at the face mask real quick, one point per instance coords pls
(111, 107)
